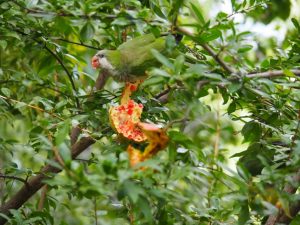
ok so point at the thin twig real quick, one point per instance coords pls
(95, 211)
(43, 197)
(195, 53)
(58, 157)
(77, 43)
(33, 107)
(130, 212)
(171, 123)
(67, 72)
(4, 176)
(217, 58)
(244, 10)
(164, 92)
(218, 133)
(52, 89)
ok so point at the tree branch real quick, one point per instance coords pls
(281, 217)
(163, 96)
(35, 183)
(272, 73)
(206, 47)
(217, 58)
(268, 74)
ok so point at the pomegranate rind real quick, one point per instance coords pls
(135, 156)
(157, 137)
(128, 89)
(125, 119)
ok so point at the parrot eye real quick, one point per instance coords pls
(100, 55)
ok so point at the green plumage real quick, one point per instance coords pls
(132, 58)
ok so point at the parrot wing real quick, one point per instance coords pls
(137, 42)
(140, 58)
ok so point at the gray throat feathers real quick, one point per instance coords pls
(119, 74)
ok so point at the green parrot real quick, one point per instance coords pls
(129, 62)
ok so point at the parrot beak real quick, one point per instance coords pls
(95, 62)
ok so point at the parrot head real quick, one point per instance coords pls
(100, 61)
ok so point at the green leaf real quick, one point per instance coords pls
(3, 44)
(213, 76)
(265, 63)
(157, 10)
(251, 131)
(65, 153)
(180, 138)
(254, 159)
(296, 24)
(210, 35)
(144, 206)
(243, 171)
(132, 190)
(170, 43)
(233, 87)
(231, 108)
(245, 48)
(161, 58)
(288, 73)
(296, 220)
(222, 15)
(6, 92)
(159, 72)
(12, 34)
(198, 14)
(121, 21)
(62, 132)
(87, 31)
(157, 79)
(285, 206)
(178, 64)
(244, 214)
(20, 105)
(5, 216)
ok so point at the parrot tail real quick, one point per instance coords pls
(178, 37)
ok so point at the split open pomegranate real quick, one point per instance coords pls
(124, 119)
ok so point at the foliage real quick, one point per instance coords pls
(233, 125)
